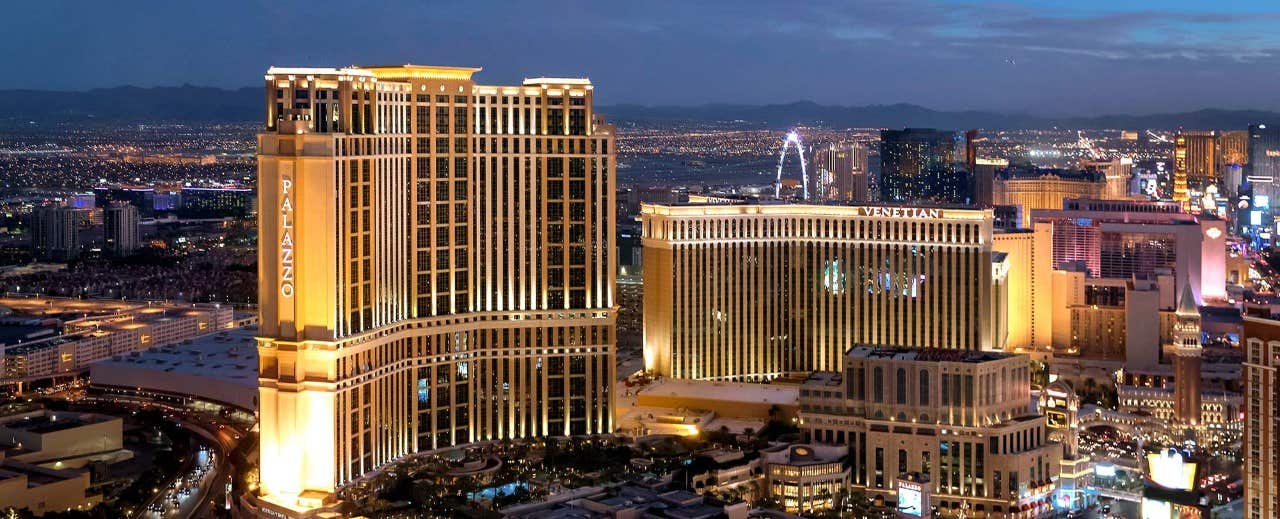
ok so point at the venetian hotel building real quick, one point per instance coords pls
(435, 268)
(754, 291)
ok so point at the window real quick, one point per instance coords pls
(877, 384)
(902, 385)
(924, 387)
(946, 389)
(879, 466)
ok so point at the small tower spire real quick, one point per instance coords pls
(1186, 358)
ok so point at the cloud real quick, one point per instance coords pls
(1082, 56)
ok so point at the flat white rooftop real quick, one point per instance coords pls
(221, 366)
(725, 391)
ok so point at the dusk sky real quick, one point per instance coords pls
(1038, 56)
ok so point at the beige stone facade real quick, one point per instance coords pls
(960, 420)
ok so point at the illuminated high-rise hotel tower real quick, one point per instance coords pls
(757, 291)
(435, 268)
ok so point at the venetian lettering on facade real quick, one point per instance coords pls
(900, 212)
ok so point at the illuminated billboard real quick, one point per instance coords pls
(1056, 419)
(911, 498)
(1167, 469)
(1158, 509)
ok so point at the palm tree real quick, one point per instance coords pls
(853, 503)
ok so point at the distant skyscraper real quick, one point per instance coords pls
(215, 203)
(1118, 172)
(919, 166)
(1033, 189)
(120, 228)
(1264, 154)
(1262, 173)
(1261, 342)
(436, 267)
(862, 183)
(983, 172)
(55, 233)
(1195, 161)
(1233, 155)
(1233, 148)
(144, 198)
(841, 172)
(832, 173)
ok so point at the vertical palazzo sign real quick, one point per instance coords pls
(286, 236)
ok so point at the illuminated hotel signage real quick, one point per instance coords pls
(912, 499)
(1273, 153)
(286, 237)
(900, 212)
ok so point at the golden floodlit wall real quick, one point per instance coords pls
(746, 292)
(1030, 254)
(435, 269)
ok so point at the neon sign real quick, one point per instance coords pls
(286, 236)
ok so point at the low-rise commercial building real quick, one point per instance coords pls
(961, 421)
(85, 332)
(42, 455)
(805, 478)
(65, 438)
(220, 367)
(42, 490)
(729, 399)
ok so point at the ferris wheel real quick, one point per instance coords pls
(792, 138)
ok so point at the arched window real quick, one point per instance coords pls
(902, 385)
(924, 387)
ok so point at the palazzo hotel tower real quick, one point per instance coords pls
(435, 268)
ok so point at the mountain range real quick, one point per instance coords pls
(195, 104)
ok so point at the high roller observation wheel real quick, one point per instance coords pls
(792, 138)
